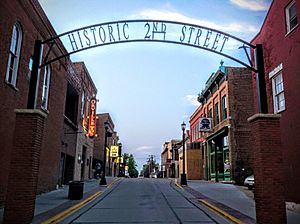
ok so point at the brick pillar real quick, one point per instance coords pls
(268, 169)
(24, 166)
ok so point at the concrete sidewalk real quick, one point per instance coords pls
(54, 202)
(237, 201)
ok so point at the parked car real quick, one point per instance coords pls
(249, 182)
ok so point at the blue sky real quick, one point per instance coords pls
(150, 88)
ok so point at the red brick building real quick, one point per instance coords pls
(225, 149)
(99, 141)
(280, 37)
(61, 87)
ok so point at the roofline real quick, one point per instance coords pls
(261, 28)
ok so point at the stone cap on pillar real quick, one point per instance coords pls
(263, 116)
(31, 111)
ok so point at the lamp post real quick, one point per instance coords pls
(183, 175)
(120, 156)
(103, 179)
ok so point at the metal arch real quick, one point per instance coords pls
(258, 50)
(141, 40)
(245, 44)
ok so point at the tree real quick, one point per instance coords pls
(130, 162)
(150, 167)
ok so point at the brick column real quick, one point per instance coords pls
(268, 173)
(24, 166)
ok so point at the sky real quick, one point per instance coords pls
(149, 89)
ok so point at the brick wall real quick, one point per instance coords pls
(27, 14)
(241, 108)
(280, 47)
(268, 172)
(24, 166)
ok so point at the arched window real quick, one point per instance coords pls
(46, 86)
(14, 55)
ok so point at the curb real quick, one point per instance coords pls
(62, 215)
(59, 217)
(220, 212)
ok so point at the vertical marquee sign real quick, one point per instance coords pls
(92, 119)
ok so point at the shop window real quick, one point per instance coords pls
(224, 108)
(14, 55)
(71, 104)
(46, 87)
(216, 114)
(291, 16)
(278, 93)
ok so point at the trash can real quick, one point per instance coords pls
(75, 190)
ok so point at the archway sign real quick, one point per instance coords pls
(127, 31)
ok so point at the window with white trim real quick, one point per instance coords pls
(291, 16)
(278, 92)
(46, 86)
(14, 55)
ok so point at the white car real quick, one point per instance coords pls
(249, 182)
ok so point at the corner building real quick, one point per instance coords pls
(59, 96)
(280, 38)
(225, 151)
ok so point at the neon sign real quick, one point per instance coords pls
(92, 119)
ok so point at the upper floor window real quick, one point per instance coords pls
(71, 106)
(210, 113)
(14, 55)
(278, 93)
(277, 89)
(82, 104)
(224, 107)
(291, 16)
(217, 114)
(46, 86)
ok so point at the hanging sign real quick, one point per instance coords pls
(92, 119)
(205, 124)
(119, 160)
(114, 151)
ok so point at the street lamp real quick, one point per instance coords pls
(183, 175)
(107, 134)
(120, 156)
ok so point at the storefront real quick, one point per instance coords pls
(219, 157)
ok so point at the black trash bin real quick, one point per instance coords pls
(75, 190)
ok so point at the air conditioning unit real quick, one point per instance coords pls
(205, 124)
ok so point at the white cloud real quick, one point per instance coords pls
(175, 16)
(192, 99)
(143, 148)
(253, 5)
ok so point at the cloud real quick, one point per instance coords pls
(253, 5)
(175, 16)
(192, 99)
(143, 148)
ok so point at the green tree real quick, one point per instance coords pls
(150, 167)
(130, 162)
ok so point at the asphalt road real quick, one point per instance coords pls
(144, 201)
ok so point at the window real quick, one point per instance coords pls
(82, 105)
(210, 113)
(14, 55)
(291, 16)
(278, 93)
(71, 106)
(217, 114)
(46, 86)
(224, 108)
